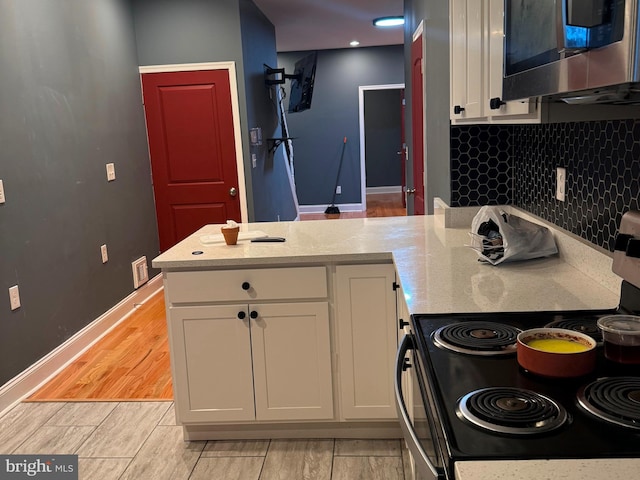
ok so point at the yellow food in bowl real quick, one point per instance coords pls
(557, 345)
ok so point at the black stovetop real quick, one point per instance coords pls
(451, 375)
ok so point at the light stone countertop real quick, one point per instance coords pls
(589, 469)
(437, 271)
(438, 274)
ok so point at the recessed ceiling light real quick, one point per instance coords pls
(389, 21)
(354, 43)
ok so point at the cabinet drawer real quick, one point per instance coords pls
(246, 285)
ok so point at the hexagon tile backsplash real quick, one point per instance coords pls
(515, 164)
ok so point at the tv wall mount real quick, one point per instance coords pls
(277, 76)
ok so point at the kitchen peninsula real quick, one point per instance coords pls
(297, 338)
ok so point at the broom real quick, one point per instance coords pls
(332, 209)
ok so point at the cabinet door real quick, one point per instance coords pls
(496, 62)
(468, 90)
(367, 340)
(211, 360)
(292, 361)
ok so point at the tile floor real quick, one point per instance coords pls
(140, 440)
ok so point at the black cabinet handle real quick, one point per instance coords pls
(405, 364)
(253, 314)
(246, 285)
(457, 109)
(242, 315)
(496, 103)
(402, 323)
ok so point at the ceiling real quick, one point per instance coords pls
(325, 24)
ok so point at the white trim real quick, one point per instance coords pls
(418, 31)
(363, 170)
(384, 190)
(345, 207)
(235, 107)
(27, 382)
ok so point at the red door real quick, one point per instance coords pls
(417, 130)
(192, 148)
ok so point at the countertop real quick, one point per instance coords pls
(437, 271)
(438, 274)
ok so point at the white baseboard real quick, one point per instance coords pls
(28, 381)
(384, 190)
(344, 207)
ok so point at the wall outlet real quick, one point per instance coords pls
(561, 183)
(339, 190)
(140, 271)
(111, 172)
(14, 297)
(104, 253)
(2, 199)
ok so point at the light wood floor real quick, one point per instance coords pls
(132, 361)
(378, 205)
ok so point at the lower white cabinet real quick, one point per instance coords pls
(291, 351)
(367, 340)
(235, 363)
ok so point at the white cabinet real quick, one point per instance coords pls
(467, 59)
(211, 362)
(257, 361)
(529, 109)
(367, 340)
(476, 55)
(292, 361)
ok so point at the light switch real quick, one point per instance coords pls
(111, 172)
(2, 199)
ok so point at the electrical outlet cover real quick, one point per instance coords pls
(561, 183)
(14, 297)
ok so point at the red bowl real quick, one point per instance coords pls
(556, 364)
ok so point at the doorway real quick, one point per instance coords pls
(389, 152)
(198, 176)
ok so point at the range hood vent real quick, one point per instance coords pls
(624, 94)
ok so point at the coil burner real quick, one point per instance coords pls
(477, 338)
(512, 411)
(588, 326)
(613, 399)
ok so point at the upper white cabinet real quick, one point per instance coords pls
(476, 54)
(467, 57)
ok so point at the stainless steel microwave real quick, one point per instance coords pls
(582, 51)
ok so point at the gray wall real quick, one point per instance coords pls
(435, 13)
(192, 31)
(383, 137)
(333, 115)
(272, 194)
(70, 103)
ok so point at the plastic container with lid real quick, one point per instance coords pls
(621, 335)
